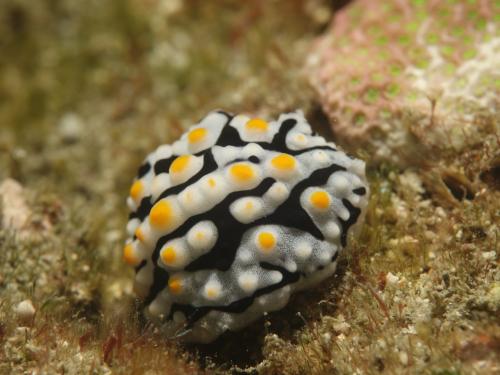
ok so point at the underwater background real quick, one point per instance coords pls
(88, 88)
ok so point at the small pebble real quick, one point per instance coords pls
(493, 296)
(14, 211)
(403, 358)
(489, 255)
(71, 128)
(391, 279)
(25, 311)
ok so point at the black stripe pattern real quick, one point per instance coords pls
(235, 216)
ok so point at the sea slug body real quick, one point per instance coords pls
(235, 216)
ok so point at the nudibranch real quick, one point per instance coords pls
(235, 216)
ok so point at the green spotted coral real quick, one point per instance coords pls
(438, 61)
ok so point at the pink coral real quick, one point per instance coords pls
(382, 59)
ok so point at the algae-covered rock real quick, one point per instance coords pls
(389, 73)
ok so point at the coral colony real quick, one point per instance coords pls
(381, 61)
(235, 216)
